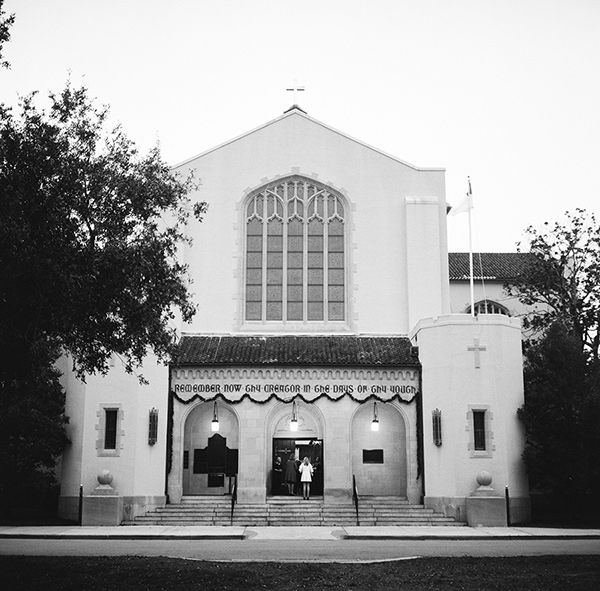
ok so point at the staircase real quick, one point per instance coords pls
(293, 511)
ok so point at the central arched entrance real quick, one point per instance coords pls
(379, 457)
(286, 445)
(210, 458)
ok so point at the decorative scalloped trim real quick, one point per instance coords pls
(298, 374)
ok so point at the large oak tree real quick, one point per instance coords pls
(89, 232)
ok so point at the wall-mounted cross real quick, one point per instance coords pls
(295, 88)
(476, 348)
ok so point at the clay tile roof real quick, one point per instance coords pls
(296, 350)
(493, 266)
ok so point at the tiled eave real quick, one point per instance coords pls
(321, 351)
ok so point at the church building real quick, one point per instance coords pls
(332, 324)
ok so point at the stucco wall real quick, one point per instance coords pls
(453, 384)
(375, 186)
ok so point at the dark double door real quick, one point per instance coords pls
(297, 449)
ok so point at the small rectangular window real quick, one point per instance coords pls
(110, 428)
(479, 430)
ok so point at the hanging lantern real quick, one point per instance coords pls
(294, 419)
(214, 425)
(375, 421)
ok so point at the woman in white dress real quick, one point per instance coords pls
(306, 472)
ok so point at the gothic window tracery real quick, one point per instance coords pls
(295, 253)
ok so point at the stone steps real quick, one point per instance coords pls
(292, 511)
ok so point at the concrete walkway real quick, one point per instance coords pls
(154, 532)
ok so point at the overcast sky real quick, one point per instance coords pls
(506, 91)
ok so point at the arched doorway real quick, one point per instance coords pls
(379, 457)
(286, 444)
(210, 458)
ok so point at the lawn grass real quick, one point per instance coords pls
(142, 573)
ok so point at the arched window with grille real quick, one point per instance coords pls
(488, 307)
(295, 253)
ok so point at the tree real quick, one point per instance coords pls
(562, 367)
(89, 232)
(564, 281)
(561, 416)
(6, 23)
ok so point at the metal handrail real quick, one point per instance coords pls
(355, 497)
(233, 498)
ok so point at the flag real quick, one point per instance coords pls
(465, 205)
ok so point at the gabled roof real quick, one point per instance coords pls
(493, 266)
(296, 111)
(356, 351)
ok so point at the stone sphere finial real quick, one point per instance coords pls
(105, 477)
(484, 478)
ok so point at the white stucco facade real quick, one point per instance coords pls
(392, 285)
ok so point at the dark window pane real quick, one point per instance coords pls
(253, 293)
(295, 243)
(253, 310)
(336, 228)
(255, 243)
(294, 276)
(320, 205)
(274, 311)
(295, 228)
(274, 260)
(254, 260)
(315, 311)
(479, 429)
(336, 244)
(110, 428)
(274, 293)
(254, 276)
(335, 293)
(336, 276)
(315, 293)
(274, 228)
(294, 293)
(315, 260)
(315, 243)
(315, 276)
(255, 228)
(294, 311)
(336, 260)
(275, 243)
(295, 260)
(335, 310)
(315, 228)
(274, 277)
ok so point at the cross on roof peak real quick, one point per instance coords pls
(295, 88)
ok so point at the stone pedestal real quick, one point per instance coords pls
(485, 507)
(102, 510)
(104, 506)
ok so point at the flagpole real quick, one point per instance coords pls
(471, 283)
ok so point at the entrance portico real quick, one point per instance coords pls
(334, 406)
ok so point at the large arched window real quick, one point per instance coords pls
(295, 255)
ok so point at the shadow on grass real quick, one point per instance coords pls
(139, 573)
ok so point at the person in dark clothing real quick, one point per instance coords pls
(277, 476)
(291, 474)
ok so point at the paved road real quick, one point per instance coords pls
(297, 550)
